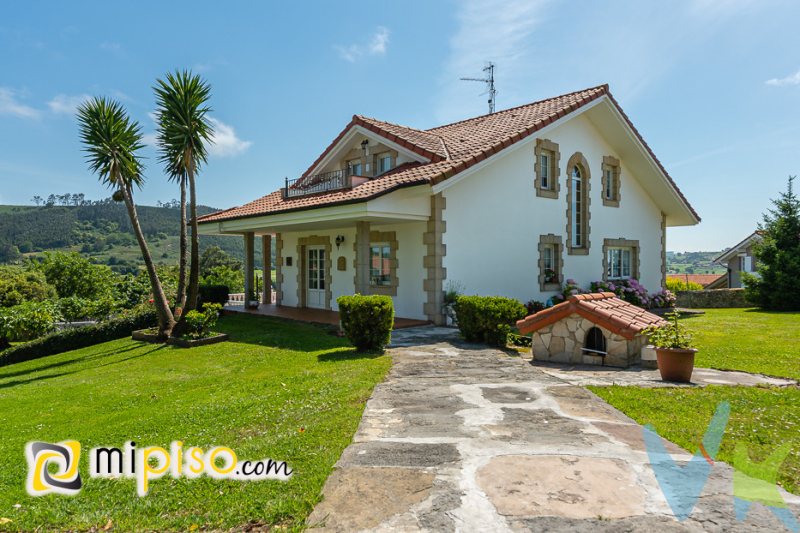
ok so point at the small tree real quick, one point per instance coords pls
(777, 285)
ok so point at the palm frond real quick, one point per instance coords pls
(183, 127)
(111, 141)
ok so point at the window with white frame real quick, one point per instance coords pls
(544, 165)
(619, 263)
(577, 207)
(549, 259)
(385, 163)
(380, 264)
(355, 168)
(609, 184)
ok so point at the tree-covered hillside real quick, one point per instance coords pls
(102, 230)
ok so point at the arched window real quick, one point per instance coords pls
(578, 201)
(577, 207)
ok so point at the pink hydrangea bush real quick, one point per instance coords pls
(628, 289)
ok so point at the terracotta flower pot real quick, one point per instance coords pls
(676, 364)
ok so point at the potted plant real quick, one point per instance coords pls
(453, 290)
(550, 276)
(674, 349)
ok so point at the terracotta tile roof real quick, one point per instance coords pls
(604, 309)
(702, 279)
(451, 149)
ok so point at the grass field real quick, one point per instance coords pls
(278, 390)
(750, 340)
(763, 418)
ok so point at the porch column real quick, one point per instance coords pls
(266, 269)
(362, 258)
(249, 286)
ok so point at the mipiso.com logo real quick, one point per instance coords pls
(143, 464)
(65, 455)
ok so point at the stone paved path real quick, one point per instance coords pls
(465, 438)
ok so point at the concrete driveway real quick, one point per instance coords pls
(466, 438)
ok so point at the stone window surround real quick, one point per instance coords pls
(313, 240)
(636, 261)
(578, 160)
(547, 147)
(389, 237)
(612, 163)
(558, 261)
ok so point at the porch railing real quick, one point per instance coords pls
(238, 299)
(319, 183)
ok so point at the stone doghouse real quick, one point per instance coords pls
(595, 329)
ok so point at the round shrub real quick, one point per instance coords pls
(366, 320)
(488, 319)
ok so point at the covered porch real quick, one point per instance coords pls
(308, 314)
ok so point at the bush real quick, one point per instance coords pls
(366, 320)
(488, 319)
(212, 294)
(675, 284)
(73, 309)
(27, 321)
(17, 287)
(201, 322)
(72, 339)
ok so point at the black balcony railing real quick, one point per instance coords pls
(319, 183)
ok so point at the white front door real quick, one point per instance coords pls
(315, 277)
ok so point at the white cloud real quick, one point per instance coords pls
(794, 79)
(110, 47)
(488, 30)
(377, 45)
(10, 106)
(63, 104)
(225, 142)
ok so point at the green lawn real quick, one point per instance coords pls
(280, 390)
(750, 340)
(763, 418)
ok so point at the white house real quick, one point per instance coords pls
(511, 204)
(739, 259)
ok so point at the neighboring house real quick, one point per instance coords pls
(511, 204)
(739, 259)
(706, 280)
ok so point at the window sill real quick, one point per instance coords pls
(610, 203)
(551, 287)
(547, 193)
(578, 251)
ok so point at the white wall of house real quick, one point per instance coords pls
(494, 219)
(410, 295)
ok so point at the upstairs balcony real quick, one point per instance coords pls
(321, 183)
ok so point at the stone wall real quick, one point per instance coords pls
(562, 342)
(713, 299)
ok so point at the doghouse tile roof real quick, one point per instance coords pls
(604, 309)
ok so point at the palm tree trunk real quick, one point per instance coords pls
(165, 319)
(184, 252)
(181, 327)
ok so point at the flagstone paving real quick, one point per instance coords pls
(461, 437)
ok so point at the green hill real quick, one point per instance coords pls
(102, 230)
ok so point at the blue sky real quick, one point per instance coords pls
(712, 85)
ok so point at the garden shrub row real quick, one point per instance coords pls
(488, 319)
(73, 339)
(366, 320)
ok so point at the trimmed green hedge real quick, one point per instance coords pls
(488, 319)
(212, 294)
(72, 339)
(366, 320)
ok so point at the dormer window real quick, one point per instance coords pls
(385, 163)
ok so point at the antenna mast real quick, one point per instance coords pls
(489, 81)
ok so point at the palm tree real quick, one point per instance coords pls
(183, 130)
(181, 299)
(111, 141)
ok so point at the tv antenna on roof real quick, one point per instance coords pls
(489, 81)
